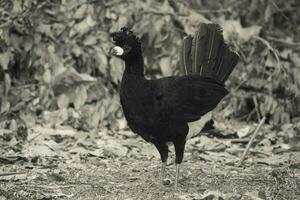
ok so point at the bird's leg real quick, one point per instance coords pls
(163, 171)
(163, 151)
(177, 175)
(179, 151)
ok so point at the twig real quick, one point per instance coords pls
(290, 44)
(11, 173)
(207, 11)
(112, 3)
(247, 116)
(50, 147)
(214, 11)
(163, 13)
(239, 140)
(239, 85)
(34, 137)
(69, 185)
(280, 10)
(234, 90)
(250, 115)
(262, 121)
(256, 107)
(251, 151)
(268, 45)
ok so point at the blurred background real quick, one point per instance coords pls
(55, 67)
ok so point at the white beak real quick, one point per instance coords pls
(118, 51)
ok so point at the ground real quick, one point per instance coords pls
(63, 163)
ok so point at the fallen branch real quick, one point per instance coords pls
(239, 140)
(283, 42)
(11, 173)
(154, 12)
(256, 107)
(262, 121)
(223, 10)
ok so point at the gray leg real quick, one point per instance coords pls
(179, 150)
(163, 151)
(177, 175)
(163, 171)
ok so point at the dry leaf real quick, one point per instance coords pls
(113, 148)
(80, 96)
(28, 118)
(122, 22)
(244, 132)
(101, 60)
(47, 77)
(90, 40)
(4, 60)
(116, 69)
(38, 150)
(63, 101)
(83, 27)
(80, 12)
(233, 26)
(45, 29)
(165, 66)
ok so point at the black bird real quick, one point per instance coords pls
(171, 109)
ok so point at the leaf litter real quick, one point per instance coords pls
(66, 163)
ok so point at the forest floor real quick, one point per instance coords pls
(64, 163)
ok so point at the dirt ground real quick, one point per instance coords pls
(122, 166)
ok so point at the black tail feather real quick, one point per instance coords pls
(227, 63)
(206, 53)
(198, 52)
(185, 59)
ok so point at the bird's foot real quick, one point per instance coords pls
(166, 181)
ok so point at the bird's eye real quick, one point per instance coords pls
(114, 36)
(126, 48)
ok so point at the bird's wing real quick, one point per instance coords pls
(186, 98)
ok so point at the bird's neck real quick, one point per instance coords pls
(135, 66)
(132, 79)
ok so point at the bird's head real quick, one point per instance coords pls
(127, 45)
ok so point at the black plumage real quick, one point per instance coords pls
(163, 110)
